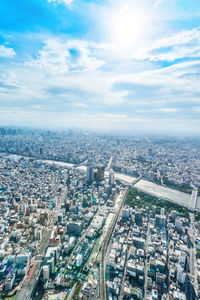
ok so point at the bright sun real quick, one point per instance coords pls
(126, 27)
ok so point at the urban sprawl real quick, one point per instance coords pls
(87, 215)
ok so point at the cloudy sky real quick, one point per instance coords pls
(118, 64)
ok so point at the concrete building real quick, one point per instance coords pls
(99, 175)
(74, 227)
(46, 272)
(23, 258)
(111, 178)
(90, 174)
(79, 260)
(9, 282)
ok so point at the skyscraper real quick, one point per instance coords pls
(100, 173)
(111, 178)
(90, 174)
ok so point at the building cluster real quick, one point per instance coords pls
(151, 256)
(79, 227)
(28, 194)
(196, 231)
(172, 161)
(178, 253)
(55, 217)
(126, 263)
(53, 212)
(71, 146)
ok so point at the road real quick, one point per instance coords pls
(146, 262)
(105, 248)
(79, 241)
(193, 264)
(28, 285)
(109, 164)
(69, 297)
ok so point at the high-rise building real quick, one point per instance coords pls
(100, 173)
(138, 218)
(90, 174)
(178, 224)
(79, 260)
(46, 272)
(126, 213)
(150, 152)
(162, 211)
(160, 220)
(111, 178)
(172, 215)
(181, 275)
(154, 210)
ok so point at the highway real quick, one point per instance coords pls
(105, 249)
(29, 284)
(193, 264)
(146, 261)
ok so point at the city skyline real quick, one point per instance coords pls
(109, 65)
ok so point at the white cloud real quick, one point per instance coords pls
(172, 88)
(158, 3)
(62, 57)
(66, 78)
(180, 45)
(196, 109)
(167, 110)
(6, 52)
(68, 3)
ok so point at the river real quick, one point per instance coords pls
(163, 192)
(143, 185)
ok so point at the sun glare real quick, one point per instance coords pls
(126, 27)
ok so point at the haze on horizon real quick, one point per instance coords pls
(105, 65)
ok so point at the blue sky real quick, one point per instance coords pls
(126, 65)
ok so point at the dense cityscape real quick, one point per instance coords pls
(99, 150)
(86, 215)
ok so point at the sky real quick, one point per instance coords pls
(123, 65)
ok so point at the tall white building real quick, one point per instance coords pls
(79, 260)
(181, 275)
(46, 272)
(162, 211)
(182, 258)
(111, 178)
